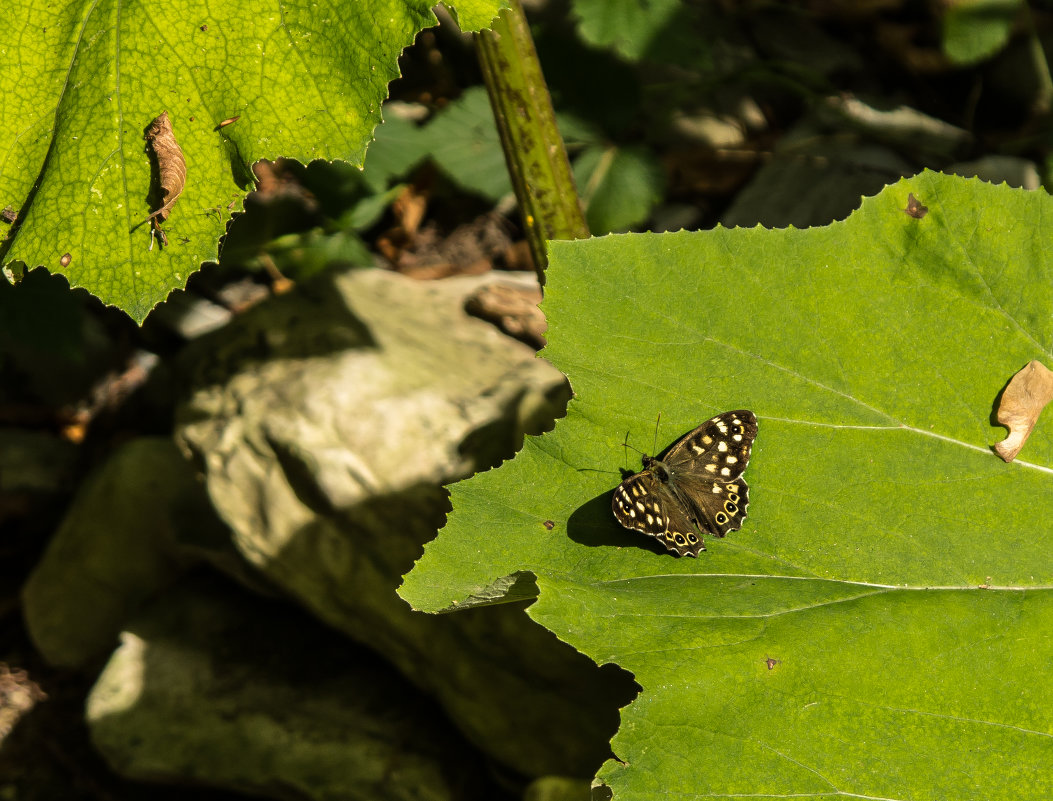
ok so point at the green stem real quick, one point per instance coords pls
(536, 157)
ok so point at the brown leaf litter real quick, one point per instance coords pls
(1024, 399)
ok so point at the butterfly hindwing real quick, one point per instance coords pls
(696, 487)
(645, 504)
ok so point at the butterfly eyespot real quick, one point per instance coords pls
(680, 539)
(730, 508)
(733, 497)
(721, 518)
(692, 538)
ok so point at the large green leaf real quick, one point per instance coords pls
(898, 575)
(82, 82)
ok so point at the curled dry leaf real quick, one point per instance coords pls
(171, 167)
(1023, 400)
(18, 695)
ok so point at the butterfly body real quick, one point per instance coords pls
(695, 488)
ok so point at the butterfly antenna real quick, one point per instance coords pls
(654, 444)
(629, 447)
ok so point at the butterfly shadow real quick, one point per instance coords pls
(592, 524)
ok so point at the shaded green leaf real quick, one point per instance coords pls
(463, 141)
(977, 29)
(620, 186)
(629, 26)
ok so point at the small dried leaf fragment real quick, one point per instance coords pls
(1022, 402)
(171, 167)
(8, 215)
(915, 208)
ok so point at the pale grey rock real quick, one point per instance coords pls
(215, 687)
(813, 178)
(996, 169)
(325, 423)
(116, 546)
(902, 127)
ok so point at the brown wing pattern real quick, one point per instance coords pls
(643, 503)
(697, 487)
(705, 468)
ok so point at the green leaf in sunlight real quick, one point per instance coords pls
(81, 85)
(879, 628)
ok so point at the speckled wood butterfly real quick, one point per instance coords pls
(695, 488)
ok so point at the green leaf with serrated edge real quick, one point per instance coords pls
(872, 352)
(82, 84)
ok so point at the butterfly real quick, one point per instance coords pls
(695, 488)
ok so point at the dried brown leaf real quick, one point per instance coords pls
(915, 208)
(1022, 402)
(512, 309)
(171, 167)
(18, 695)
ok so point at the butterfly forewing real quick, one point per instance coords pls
(695, 488)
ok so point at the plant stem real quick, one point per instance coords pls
(534, 150)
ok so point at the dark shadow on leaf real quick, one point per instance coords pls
(155, 193)
(998, 400)
(993, 419)
(593, 524)
(240, 171)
